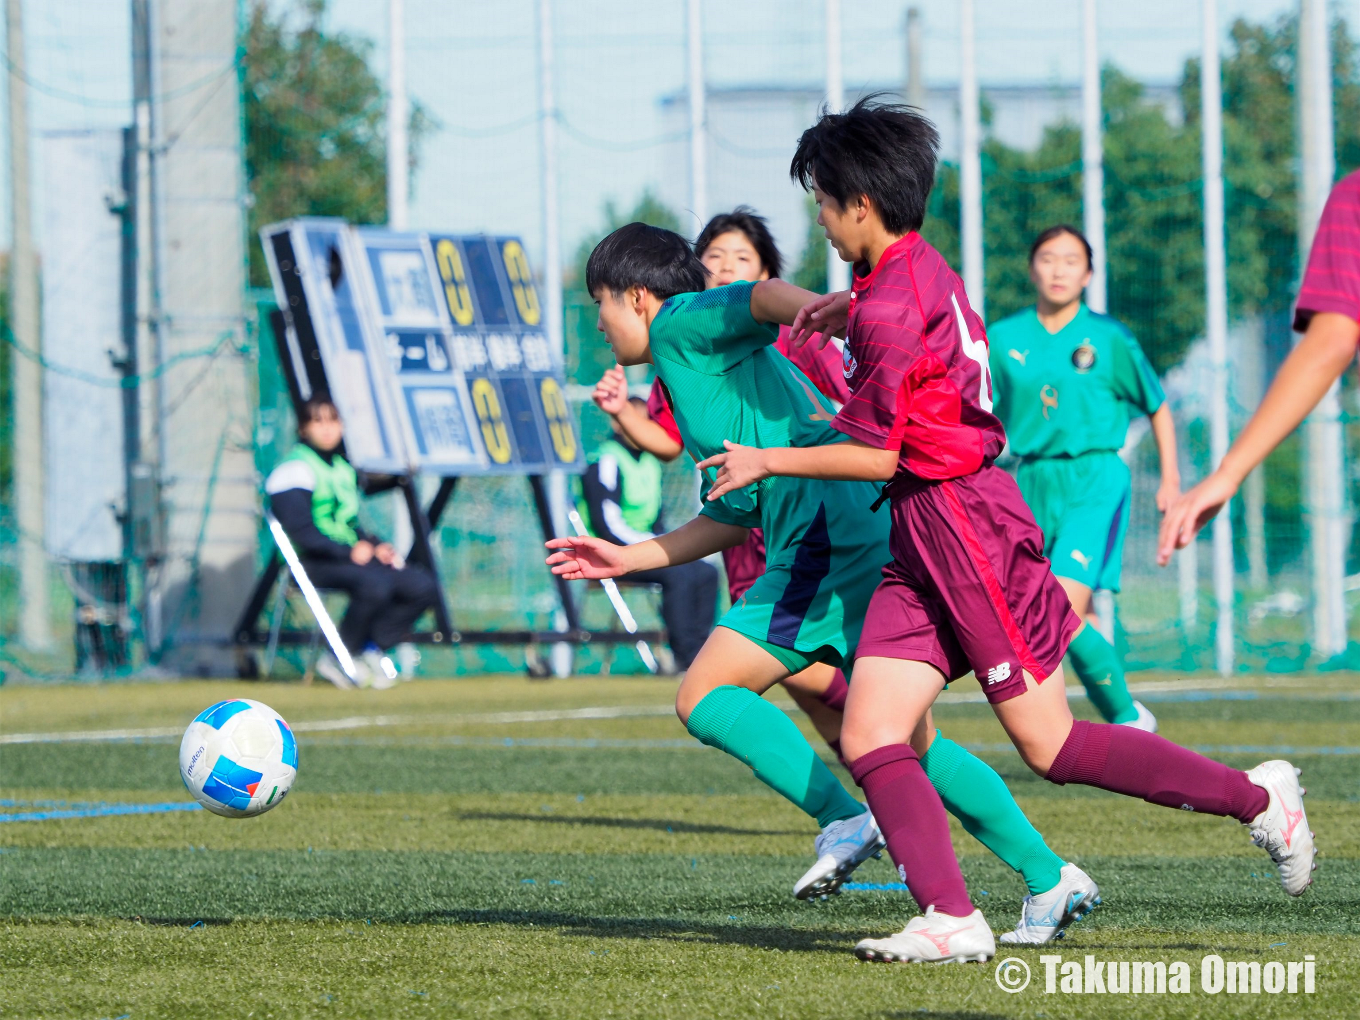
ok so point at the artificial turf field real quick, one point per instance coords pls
(503, 847)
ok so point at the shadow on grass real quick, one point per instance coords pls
(660, 824)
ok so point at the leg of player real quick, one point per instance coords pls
(1099, 668)
(820, 691)
(887, 710)
(720, 703)
(1125, 760)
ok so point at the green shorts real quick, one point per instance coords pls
(1082, 506)
(809, 605)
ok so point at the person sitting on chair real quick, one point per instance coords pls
(314, 493)
(622, 488)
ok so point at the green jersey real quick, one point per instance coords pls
(1068, 393)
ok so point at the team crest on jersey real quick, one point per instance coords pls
(1084, 357)
(848, 362)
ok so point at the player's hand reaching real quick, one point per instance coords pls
(611, 392)
(582, 558)
(1167, 494)
(1191, 512)
(739, 467)
(823, 317)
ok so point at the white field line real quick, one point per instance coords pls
(355, 722)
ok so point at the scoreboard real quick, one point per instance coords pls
(432, 346)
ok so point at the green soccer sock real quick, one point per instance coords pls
(974, 794)
(750, 729)
(1102, 674)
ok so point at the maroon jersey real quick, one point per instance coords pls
(916, 364)
(1332, 281)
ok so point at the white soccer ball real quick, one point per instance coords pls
(238, 758)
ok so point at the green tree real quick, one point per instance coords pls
(315, 118)
(810, 273)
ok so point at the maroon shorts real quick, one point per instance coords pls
(969, 589)
(744, 564)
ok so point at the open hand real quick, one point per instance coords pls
(823, 317)
(582, 558)
(1190, 513)
(611, 392)
(739, 467)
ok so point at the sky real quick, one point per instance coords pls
(472, 64)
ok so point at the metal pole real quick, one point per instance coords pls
(970, 162)
(837, 271)
(698, 113)
(35, 630)
(1326, 459)
(1216, 314)
(398, 113)
(1092, 157)
(916, 87)
(562, 654)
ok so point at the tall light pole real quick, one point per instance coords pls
(698, 112)
(1216, 316)
(970, 162)
(1092, 157)
(837, 270)
(35, 630)
(398, 114)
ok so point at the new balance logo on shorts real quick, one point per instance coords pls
(997, 674)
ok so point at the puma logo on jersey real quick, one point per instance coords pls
(998, 674)
(1081, 558)
(1019, 356)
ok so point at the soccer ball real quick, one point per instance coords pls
(238, 758)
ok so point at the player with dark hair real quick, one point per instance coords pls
(714, 353)
(733, 247)
(314, 493)
(968, 588)
(1066, 379)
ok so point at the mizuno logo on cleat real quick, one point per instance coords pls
(1293, 817)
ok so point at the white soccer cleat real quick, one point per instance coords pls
(934, 938)
(1146, 721)
(329, 667)
(1046, 916)
(841, 848)
(381, 670)
(1282, 828)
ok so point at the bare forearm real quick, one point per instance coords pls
(646, 434)
(849, 461)
(1305, 377)
(701, 537)
(778, 301)
(1164, 432)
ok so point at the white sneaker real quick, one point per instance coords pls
(935, 938)
(1146, 721)
(382, 671)
(841, 848)
(329, 667)
(1047, 915)
(1282, 828)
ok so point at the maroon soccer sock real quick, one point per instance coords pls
(912, 819)
(1130, 761)
(835, 694)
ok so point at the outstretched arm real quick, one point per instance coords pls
(851, 460)
(584, 558)
(611, 397)
(1318, 361)
(1164, 432)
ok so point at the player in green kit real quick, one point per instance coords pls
(712, 350)
(1066, 380)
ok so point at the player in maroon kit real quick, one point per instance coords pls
(969, 589)
(733, 247)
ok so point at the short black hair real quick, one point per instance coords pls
(1057, 230)
(886, 151)
(310, 409)
(744, 220)
(640, 255)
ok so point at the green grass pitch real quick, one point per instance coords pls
(498, 847)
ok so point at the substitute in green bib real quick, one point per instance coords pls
(1066, 382)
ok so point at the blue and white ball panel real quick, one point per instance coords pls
(238, 758)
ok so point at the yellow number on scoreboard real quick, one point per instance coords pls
(488, 408)
(559, 420)
(521, 283)
(455, 282)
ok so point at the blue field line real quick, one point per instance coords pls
(875, 887)
(96, 811)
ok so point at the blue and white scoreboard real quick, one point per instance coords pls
(431, 346)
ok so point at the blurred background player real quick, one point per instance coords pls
(1064, 380)
(738, 247)
(314, 493)
(1328, 315)
(621, 492)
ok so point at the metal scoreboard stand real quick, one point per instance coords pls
(433, 349)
